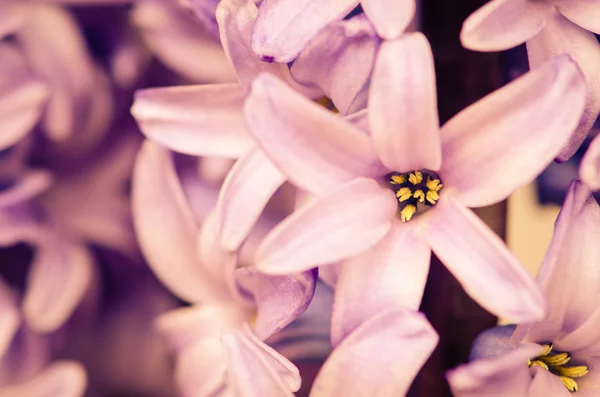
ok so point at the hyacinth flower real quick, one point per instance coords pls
(219, 339)
(561, 353)
(549, 28)
(386, 200)
(284, 27)
(55, 51)
(207, 120)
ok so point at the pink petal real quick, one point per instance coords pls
(391, 274)
(22, 97)
(10, 318)
(506, 375)
(284, 27)
(481, 262)
(245, 192)
(585, 13)
(559, 37)
(589, 170)
(56, 51)
(505, 140)
(253, 368)
(344, 223)
(59, 277)
(588, 385)
(26, 188)
(503, 24)
(202, 120)
(380, 358)
(314, 148)
(340, 60)
(569, 274)
(279, 299)
(389, 17)
(181, 42)
(166, 229)
(546, 384)
(403, 105)
(62, 378)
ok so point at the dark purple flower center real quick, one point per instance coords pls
(416, 191)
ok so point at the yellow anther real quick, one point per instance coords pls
(327, 104)
(433, 184)
(407, 213)
(569, 383)
(556, 360)
(404, 194)
(397, 179)
(547, 349)
(432, 196)
(419, 195)
(415, 177)
(538, 363)
(572, 372)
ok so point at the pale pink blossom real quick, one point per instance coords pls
(589, 170)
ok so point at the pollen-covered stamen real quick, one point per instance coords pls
(555, 364)
(416, 191)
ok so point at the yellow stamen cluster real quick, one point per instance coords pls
(327, 104)
(412, 188)
(555, 363)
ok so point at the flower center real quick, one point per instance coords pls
(416, 191)
(555, 362)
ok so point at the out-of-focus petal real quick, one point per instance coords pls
(10, 319)
(314, 148)
(506, 375)
(569, 274)
(503, 24)
(403, 105)
(62, 378)
(56, 50)
(59, 277)
(585, 13)
(253, 368)
(589, 170)
(389, 17)
(181, 43)
(205, 11)
(391, 274)
(202, 120)
(284, 27)
(246, 190)
(22, 96)
(482, 263)
(380, 358)
(279, 299)
(344, 223)
(340, 60)
(166, 228)
(25, 188)
(506, 139)
(561, 36)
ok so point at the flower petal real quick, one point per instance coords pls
(342, 224)
(181, 43)
(506, 375)
(380, 358)
(279, 299)
(22, 96)
(545, 383)
(202, 120)
(166, 228)
(585, 13)
(561, 36)
(246, 190)
(403, 105)
(589, 170)
(314, 148)
(340, 60)
(26, 188)
(9, 317)
(63, 378)
(390, 18)
(503, 24)
(284, 27)
(481, 262)
(569, 274)
(59, 277)
(391, 274)
(505, 140)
